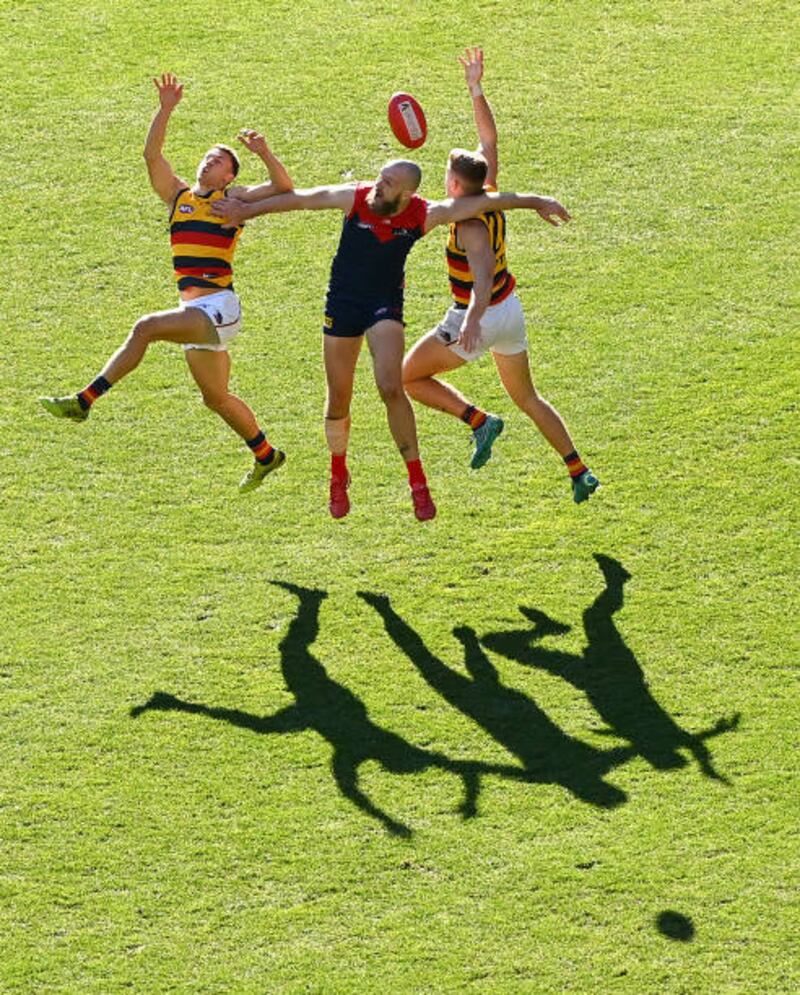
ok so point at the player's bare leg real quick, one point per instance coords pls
(340, 355)
(429, 357)
(515, 375)
(183, 326)
(211, 371)
(191, 325)
(386, 340)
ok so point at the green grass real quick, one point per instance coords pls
(203, 845)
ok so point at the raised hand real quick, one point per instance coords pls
(552, 212)
(253, 141)
(472, 61)
(169, 89)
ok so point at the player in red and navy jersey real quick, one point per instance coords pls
(209, 314)
(382, 221)
(486, 312)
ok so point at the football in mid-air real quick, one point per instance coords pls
(407, 120)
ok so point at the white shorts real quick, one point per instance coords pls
(225, 312)
(502, 329)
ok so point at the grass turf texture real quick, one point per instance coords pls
(206, 843)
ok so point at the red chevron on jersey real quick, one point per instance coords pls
(370, 260)
(410, 223)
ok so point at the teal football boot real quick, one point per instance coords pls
(484, 438)
(584, 486)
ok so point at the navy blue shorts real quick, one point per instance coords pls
(349, 319)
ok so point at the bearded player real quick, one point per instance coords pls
(382, 221)
(486, 312)
(209, 314)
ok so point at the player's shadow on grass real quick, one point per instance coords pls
(610, 676)
(547, 753)
(336, 714)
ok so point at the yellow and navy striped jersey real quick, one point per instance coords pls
(461, 276)
(202, 244)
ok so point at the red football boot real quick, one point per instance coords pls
(339, 502)
(424, 508)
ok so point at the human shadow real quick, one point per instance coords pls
(547, 753)
(339, 716)
(611, 677)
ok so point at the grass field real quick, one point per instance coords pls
(527, 747)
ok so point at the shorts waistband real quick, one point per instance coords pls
(207, 297)
(458, 306)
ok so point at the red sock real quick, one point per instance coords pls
(339, 466)
(416, 475)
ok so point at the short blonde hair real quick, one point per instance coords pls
(470, 167)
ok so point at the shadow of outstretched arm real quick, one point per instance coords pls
(522, 646)
(286, 720)
(477, 663)
(444, 679)
(696, 746)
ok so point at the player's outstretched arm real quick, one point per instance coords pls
(279, 179)
(162, 177)
(314, 199)
(472, 61)
(444, 212)
(474, 236)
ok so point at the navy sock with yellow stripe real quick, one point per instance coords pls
(575, 465)
(89, 395)
(262, 450)
(473, 416)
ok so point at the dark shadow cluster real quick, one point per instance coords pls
(607, 672)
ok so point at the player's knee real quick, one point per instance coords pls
(215, 400)
(528, 401)
(145, 329)
(390, 389)
(408, 377)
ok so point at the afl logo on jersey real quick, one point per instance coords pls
(186, 209)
